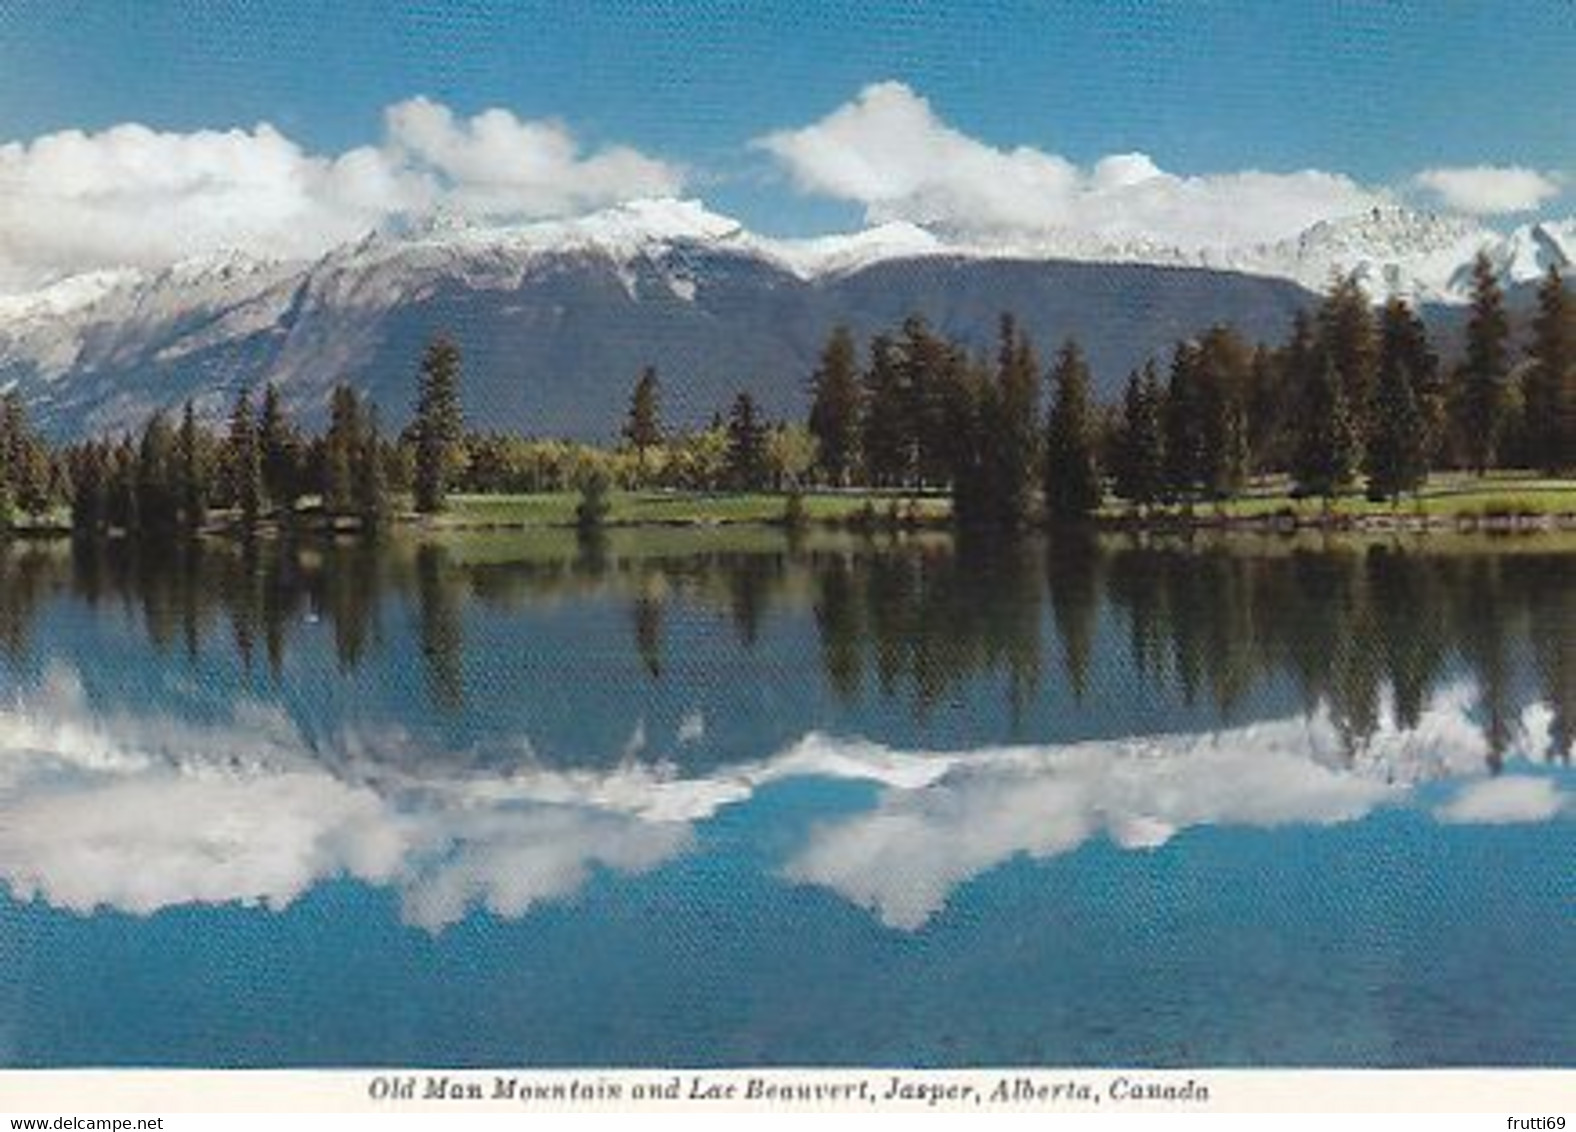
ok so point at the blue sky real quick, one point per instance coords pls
(1375, 92)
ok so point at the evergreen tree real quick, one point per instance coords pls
(1266, 409)
(1072, 477)
(885, 427)
(89, 504)
(836, 401)
(24, 457)
(1184, 433)
(1221, 368)
(439, 424)
(1551, 381)
(1014, 444)
(191, 475)
(1346, 336)
(746, 445)
(643, 429)
(243, 461)
(1481, 379)
(157, 470)
(344, 445)
(371, 476)
(1140, 466)
(1404, 346)
(1395, 459)
(1327, 445)
(281, 453)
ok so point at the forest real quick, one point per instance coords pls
(1357, 401)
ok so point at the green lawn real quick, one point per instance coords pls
(634, 508)
(1448, 495)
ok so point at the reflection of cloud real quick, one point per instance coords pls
(139, 811)
(904, 858)
(1503, 801)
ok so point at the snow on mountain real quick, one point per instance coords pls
(674, 280)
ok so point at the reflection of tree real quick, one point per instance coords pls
(1551, 597)
(840, 621)
(26, 574)
(1483, 619)
(440, 627)
(647, 616)
(1072, 568)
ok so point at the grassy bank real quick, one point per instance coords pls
(665, 508)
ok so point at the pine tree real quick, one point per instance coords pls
(191, 475)
(1140, 468)
(1403, 344)
(243, 461)
(281, 453)
(371, 476)
(1014, 445)
(1222, 367)
(746, 445)
(1183, 419)
(1551, 381)
(1395, 459)
(157, 496)
(836, 401)
(438, 425)
(343, 448)
(25, 457)
(1346, 335)
(89, 504)
(885, 427)
(1327, 445)
(1072, 477)
(1481, 379)
(643, 429)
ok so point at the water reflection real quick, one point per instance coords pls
(486, 723)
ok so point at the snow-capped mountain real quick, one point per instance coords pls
(556, 317)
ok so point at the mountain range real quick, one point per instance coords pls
(556, 318)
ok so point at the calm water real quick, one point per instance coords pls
(722, 799)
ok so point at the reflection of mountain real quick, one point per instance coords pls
(143, 811)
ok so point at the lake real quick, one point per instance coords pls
(731, 797)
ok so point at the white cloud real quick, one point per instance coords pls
(889, 152)
(132, 196)
(1488, 190)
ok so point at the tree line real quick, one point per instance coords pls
(1353, 398)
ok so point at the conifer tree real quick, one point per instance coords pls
(1014, 443)
(1481, 378)
(1327, 445)
(25, 458)
(1072, 476)
(243, 461)
(1140, 467)
(885, 427)
(1395, 459)
(89, 505)
(746, 445)
(371, 476)
(191, 475)
(439, 424)
(1346, 336)
(1221, 370)
(835, 405)
(1184, 433)
(643, 428)
(157, 497)
(281, 453)
(1551, 380)
(343, 448)
(1403, 345)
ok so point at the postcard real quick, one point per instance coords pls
(787, 557)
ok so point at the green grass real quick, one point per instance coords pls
(658, 508)
(1450, 495)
